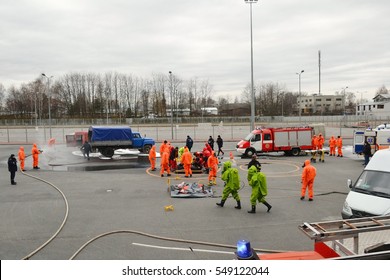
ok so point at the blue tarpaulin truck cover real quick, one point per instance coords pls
(117, 133)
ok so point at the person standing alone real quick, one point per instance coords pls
(220, 145)
(309, 173)
(12, 168)
(366, 152)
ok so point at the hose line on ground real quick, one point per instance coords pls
(63, 222)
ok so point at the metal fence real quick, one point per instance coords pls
(234, 128)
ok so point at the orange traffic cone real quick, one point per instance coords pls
(231, 155)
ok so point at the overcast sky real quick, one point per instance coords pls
(208, 39)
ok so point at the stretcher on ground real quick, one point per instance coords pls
(190, 190)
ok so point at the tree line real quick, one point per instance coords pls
(116, 95)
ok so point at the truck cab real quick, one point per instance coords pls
(259, 140)
(76, 139)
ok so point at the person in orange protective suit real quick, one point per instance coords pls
(22, 157)
(35, 154)
(152, 158)
(165, 162)
(339, 145)
(186, 160)
(308, 175)
(314, 143)
(321, 141)
(212, 163)
(163, 147)
(332, 146)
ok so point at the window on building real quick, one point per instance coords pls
(318, 99)
(381, 106)
(338, 99)
(329, 99)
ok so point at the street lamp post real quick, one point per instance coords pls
(344, 100)
(250, 2)
(170, 86)
(299, 93)
(49, 94)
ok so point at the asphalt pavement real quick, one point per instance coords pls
(119, 202)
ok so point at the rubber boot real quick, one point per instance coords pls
(253, 209)
(268, 205)
(221, 203)
(238, 205)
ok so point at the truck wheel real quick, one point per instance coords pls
(250, 152)
(107, 152)
(295, 152)
(147, 149)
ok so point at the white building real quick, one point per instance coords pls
(321, 104)
(210, 110)
(380, 106)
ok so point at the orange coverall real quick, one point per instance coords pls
(152, 158)
(35, 152)
(339, 144)
(320, 141)
(22, 157)
(309, 173)
(314, 142)
(165, 161)
(212, 163)
(186, 160)
(332, 146)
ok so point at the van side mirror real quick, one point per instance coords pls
(349, 183)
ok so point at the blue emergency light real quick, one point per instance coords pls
(244, 249)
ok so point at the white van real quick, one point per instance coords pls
(370, 195)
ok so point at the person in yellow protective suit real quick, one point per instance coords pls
(232, 180)
(186, 160)
(22, 157)
(314, 143)
(332, 146)
(258, 182)
(165, 162)
(212, 163)
(339, 145)
(152, 158)
(35, 154)
(309, 173)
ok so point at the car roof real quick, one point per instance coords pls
(380, 161)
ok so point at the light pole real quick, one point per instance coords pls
(170, 87)
(250, 2)
(282, 103)
(344, 100)
(299, 93)
(49, 94)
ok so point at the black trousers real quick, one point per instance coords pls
(12, 175)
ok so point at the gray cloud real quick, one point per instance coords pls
(208, 39)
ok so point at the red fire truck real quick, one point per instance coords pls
(290, 140)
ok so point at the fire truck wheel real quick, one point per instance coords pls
(295, 152)
(250, 152)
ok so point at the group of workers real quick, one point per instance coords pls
(318, 142)
(173, 158)
(12, 161)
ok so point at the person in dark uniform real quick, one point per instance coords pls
(220, 145)
(86, 149)
(211, 142)
(255, 162)
(189, 143)
(12, 168)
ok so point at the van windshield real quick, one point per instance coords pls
(374, 183)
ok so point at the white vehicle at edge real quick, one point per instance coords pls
(370, 195)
